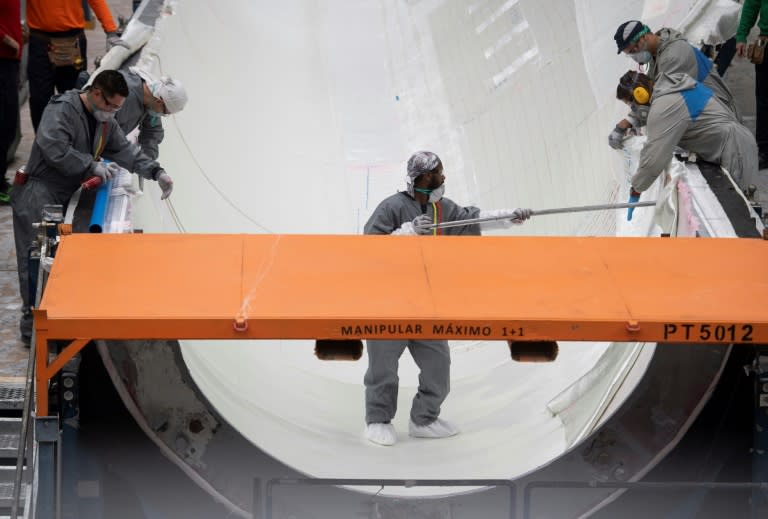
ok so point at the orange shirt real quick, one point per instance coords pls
(65, 15)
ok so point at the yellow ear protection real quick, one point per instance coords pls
(630, 82)
(641, 95)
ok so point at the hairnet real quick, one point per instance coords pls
(422, 162)
(170, 90)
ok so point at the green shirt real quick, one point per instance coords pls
(748, 17)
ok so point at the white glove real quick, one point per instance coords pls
(616, 138)
(113, 40)
(165, 182)
(104, 170)
(520, 215)
(405, 230)
(420, 224)
(503, 218)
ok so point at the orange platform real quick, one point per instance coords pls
(186, 286)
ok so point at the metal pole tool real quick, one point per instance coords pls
(541, 212)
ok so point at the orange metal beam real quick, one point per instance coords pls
(351, 287)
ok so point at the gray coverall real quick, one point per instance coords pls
(133, 114)
(675, 55)
(432, 357)
(686, 113)
(61, 158)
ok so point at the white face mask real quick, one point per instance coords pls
(642, 57)
(437, 194)
(102, 116)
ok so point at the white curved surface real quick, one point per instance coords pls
(301, 118)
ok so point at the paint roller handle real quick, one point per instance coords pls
(542, 212)
(563, 210)
(91, 183)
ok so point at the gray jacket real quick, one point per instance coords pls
(133, 114)
(62, 153)
(401, 207)
(686, 113)
(676, 55)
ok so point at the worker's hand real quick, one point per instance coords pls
(405, 230)
(634, 197)
(420, 224)
(520, 215)
(102, 170)
(166, 184)
(616, 138)
(113, 168)
(113, 40)
(741, 49)
(10, 42)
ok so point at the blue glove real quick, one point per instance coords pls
(634, 197)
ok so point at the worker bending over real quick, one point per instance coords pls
(148, 100)
(664, 52)
(77, 129)
(685, 112)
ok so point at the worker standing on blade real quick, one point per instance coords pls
(148, 100)
(685, 112)
(664, 52)
(410, 212)
(77, 129)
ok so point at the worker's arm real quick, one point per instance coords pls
(383, 220)
(150, 136)
(749, 13)
(55, 138)
(128, 155)
(667, 123)
(101, 9)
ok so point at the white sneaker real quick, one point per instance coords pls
(437, 429)
(381, 433)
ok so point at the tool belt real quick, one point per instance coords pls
(756, 50)
(63, 51)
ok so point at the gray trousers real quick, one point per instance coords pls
(27, 202)
(381, 380)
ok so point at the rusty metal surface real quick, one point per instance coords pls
(13, 353)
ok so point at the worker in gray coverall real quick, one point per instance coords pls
(148, 100)
(408, 213)
(684, 112)
(77, 129)
(665, 52)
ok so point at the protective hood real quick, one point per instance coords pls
(170, 90)
(667, 36)
(672, 84)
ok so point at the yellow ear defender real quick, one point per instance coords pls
(641, 95)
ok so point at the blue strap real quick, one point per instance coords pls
(696, 99)
(704, 65)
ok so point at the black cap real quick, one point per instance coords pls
(628, 32)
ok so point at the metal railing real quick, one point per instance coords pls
(407, 483)
(637, 485)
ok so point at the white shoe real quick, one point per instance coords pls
(437, 429)
(381, 433)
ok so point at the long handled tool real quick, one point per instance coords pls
(541, 212)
